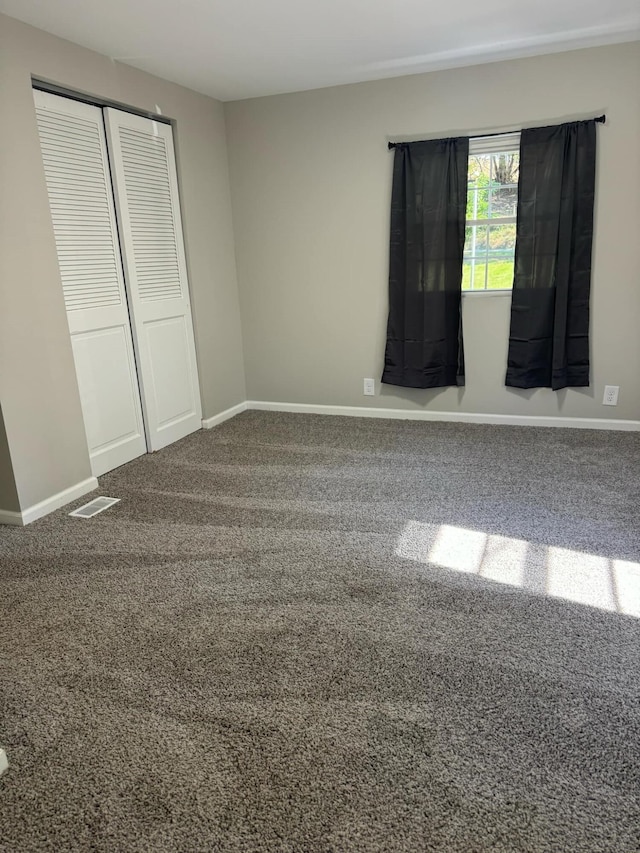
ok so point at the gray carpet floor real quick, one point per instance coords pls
(302, 633)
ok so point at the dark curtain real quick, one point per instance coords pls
(549, 338)
(428, 204)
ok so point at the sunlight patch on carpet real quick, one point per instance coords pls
(590, 579)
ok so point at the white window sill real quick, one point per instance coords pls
(483, 293)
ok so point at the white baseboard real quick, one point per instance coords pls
(49, 504)
(208, 423)
(454, 417)
(8, 517)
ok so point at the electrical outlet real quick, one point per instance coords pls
(369, 387)
(610, 395)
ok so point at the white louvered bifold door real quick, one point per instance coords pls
(146, 192)
(74, 152)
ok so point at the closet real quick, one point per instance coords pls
(113, 195)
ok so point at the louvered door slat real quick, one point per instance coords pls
(72, 152)
(145, 167)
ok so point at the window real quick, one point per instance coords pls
(492, 195)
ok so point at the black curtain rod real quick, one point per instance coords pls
(600, 119)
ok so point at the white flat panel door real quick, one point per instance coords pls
(72, 138)
(146, 192)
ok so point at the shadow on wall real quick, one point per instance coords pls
(602, 582)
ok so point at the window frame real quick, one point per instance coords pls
(501, 143)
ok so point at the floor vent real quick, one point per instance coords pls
(94, 507)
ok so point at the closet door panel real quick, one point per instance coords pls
(104, 366)
(74, 153)
(167, 340)
(146, 192)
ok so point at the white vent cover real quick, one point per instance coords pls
(94, 507)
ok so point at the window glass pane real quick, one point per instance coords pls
(478, 180)
(475, 240)
(479, 164)
(472, 200)
(505, 168)
(474, 268)
(502, 239)
(503, 201)
(500, 274)
(501, 251)
(478, 200)
(474, 274)
(492, 192)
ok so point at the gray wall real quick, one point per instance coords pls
(311, 181)
(38, 385)
(8, 493)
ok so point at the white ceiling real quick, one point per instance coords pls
(234, 49)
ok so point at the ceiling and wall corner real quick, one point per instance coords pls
(232, 50)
